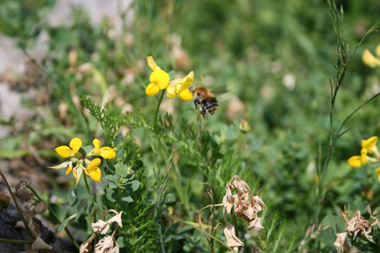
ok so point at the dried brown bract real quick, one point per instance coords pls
(108, 243)
(246, 206)
(242, 204)
(23, 192)
(4, 201)
(355, 224)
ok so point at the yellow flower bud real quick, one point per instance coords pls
(244, 126)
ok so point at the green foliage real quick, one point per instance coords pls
(271, 61)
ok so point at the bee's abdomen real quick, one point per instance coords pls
(210, 104)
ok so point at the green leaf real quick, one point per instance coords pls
(127, 199)
(72, 196)
(88, 149)
(111, 178)
(171, 74)
(134, 185)
(82, 209)
(170, 198)
(111, 194)
(327, 237)
(56, 213)
(121, 169)
(65, 222)
(90, 218)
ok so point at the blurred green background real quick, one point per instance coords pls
(268, 62)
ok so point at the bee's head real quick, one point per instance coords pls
(199, 92)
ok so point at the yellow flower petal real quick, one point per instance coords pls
(355, 161)
(69, 169)
(152, 89)
(186, 82)
(377, 171)
(186, 95)
(378, 50)
(363, 157)
(107, 152)
(369, 59)
(64, 151)
(75, 145)
(96, 174)
(96, 143)
(155, 76)
(151, 63)
(93, 164)
(370, 143)
(93, 170)
(178, 87)
(163, 81)
(170, 91)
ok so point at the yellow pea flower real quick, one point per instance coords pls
(159, 79)
(105, 152)
(359, 160)
(93, 170)
(377, 172)
(370, 60)
(180, 88)
(370, 145)
(66, 152)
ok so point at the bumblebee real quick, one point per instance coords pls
(207, 101)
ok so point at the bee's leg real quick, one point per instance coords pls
(202, 110)
(196, 105)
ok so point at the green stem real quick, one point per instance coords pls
(18, 208)
(55, 215)
(158, 108)
(241, 137)
(88, 190)
(10, 241)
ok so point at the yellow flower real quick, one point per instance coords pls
(377, 171)
(369, 59)
(105, 152)
(359, 160)
(180, 88)
(370, 145)
(66, 152)
(93, 170)
(159, 79)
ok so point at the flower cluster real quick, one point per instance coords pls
(159, 80)
(370, 60)
(368, 147)
(77, 158)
